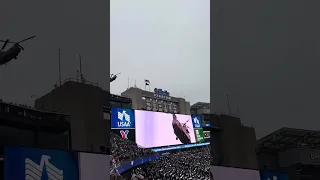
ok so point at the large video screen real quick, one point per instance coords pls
(156, 129)
(223, 173)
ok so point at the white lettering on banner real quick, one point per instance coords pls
(34, 171)
(123, 124)
(314, 157)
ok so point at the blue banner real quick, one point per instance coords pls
(137, 162)
(31, 163)
(266, 175)
(122, 118)
(196, 121)
(179, 147)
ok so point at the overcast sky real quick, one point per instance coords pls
(166, 42)
(75, 26)
(266, 55)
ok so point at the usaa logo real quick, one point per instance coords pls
(196, 122)
(123, 119)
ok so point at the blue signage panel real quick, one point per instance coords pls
(137, 162)
(44, 164)
(122, 118)
(179, 147)
(266, 175)
(196, 121)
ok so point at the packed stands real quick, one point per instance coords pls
(187, 164)
(124, 150)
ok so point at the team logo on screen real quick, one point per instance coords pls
(196, 122)
(124, 119)
(124, 134)
(35, 171)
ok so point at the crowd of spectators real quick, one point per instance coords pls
(185, 165)
(124, 150)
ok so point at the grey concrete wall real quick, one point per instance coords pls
(268, 161)
(296, 156)
(17, 137)
(136, 96)
(237, 143)
(138, 103)
(84, 105)
(249, 146)
(215, 142)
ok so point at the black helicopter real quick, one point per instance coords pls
(13, 52)
(181, 130)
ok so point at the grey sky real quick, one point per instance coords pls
(266, 55)
(73, 25)
(166, 42)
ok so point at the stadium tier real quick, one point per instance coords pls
(294, 151)
(24, 126)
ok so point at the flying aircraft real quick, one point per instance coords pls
(13, 52)
(181, 130)
(113, 77)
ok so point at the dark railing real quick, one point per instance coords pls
(80, 81)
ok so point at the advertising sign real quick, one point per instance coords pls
(44, 164)
(266, 175)
(196, 121)
(122, 118)
(157, 129)
(206, 134)
(125, 133)
(199, 135)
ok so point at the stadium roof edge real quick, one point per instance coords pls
(199, 105)
(36, 109)
(283, 129)
(285, 137)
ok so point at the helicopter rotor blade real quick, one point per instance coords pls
(7, 41)
(26, 39)
(20, 46)
(5, 44)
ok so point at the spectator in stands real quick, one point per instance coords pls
(119, 178)
(113, 177)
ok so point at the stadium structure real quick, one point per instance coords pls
(21, 125)
(87, 105)
(232, 143)
(158, 100)
(294, 151)
(86, 110)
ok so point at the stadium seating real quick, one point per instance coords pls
(188, 164)
(124, 150)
